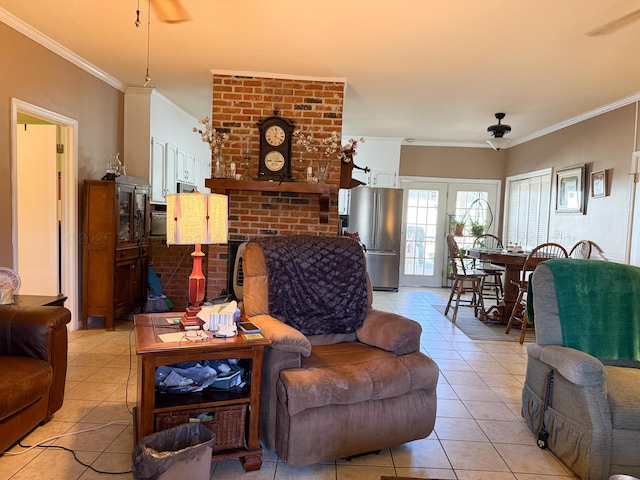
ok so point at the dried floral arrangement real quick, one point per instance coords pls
(210, 135)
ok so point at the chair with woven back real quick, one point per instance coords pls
(493, 281)
(540, 253)
(466, 280)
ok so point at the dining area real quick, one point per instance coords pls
(493, 280)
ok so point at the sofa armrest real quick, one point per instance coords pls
(282, 336)
(32, 331)
(390, 332)
(578, 367)
(38, 332)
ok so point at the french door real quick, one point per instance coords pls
(427, 211)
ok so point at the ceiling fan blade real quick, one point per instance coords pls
(615, 25)
(170, 11)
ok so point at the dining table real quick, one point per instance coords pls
(513, 263)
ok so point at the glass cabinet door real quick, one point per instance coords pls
(139, 226)
(125, 200)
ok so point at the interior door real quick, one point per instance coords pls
(424, 217)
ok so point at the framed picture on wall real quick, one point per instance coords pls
(570, 189)
(599, 183)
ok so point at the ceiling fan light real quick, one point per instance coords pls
(498, 142)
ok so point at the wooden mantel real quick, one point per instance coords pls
(218, 185)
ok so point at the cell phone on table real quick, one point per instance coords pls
(248, 327)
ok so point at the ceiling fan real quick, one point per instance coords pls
(170, 11)
(616, 24)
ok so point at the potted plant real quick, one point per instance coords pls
(477, 228)
(456, 226)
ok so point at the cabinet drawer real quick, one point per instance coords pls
(227, 422)
(127, 254)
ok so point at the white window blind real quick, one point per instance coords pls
(528, 209)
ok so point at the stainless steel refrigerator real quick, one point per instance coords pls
(376, 214)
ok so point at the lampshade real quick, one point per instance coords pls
(196, 218)
(498, 143)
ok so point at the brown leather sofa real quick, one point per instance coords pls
(332, 388)
(33, 368)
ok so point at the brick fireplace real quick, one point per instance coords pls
(239, 102)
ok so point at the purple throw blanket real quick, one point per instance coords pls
(317, 284)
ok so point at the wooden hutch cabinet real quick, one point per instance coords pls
(114, 248)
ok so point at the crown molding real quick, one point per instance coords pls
(40, 38)
(623, 102)
(278, 76)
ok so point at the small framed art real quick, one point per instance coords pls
(570, 189)
(599, 183)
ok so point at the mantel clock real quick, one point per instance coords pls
(276, 133)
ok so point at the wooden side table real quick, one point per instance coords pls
(151, 405)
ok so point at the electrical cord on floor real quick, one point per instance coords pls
(50, 439)
(116, 422)
(126, 386)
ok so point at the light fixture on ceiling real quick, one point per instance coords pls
(498, 132)
(147, 77)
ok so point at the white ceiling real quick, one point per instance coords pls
(435, 71)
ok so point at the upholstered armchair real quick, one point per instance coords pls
(340, 378)
(587, 318)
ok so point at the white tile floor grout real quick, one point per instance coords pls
(479, 433)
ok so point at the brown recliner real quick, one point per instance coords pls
(339, 378)
(33, 360)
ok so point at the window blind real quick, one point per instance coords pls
(528, 210)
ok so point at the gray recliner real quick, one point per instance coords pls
(587, 321)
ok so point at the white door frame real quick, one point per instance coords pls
(69, 191)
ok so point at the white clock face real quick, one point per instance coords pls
(275, 135)
(274, 161)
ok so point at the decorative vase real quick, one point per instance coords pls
(220, 170)
(323, 170)
(301, 169)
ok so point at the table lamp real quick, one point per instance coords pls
(194, 219)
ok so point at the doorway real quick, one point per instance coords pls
(65, 215)
(429, 207)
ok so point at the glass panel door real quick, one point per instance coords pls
(125, 199)
(140, 215)
(475, 204)
(423, 221)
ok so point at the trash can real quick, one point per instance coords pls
(178, 452)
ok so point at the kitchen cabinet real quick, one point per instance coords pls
(185, 167)
(159, 143)
(114, 247)
(377, 177)
(163, 171)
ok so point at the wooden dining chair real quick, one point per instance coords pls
(492, 284)
(586, 249)
(518, 316)
(466, 280)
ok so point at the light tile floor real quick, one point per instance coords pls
(479, 433)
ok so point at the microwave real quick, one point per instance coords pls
(186, 188)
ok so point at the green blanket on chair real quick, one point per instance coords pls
(599, 307)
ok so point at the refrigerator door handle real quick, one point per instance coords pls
(376, 214)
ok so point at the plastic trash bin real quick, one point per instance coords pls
(182, 452)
